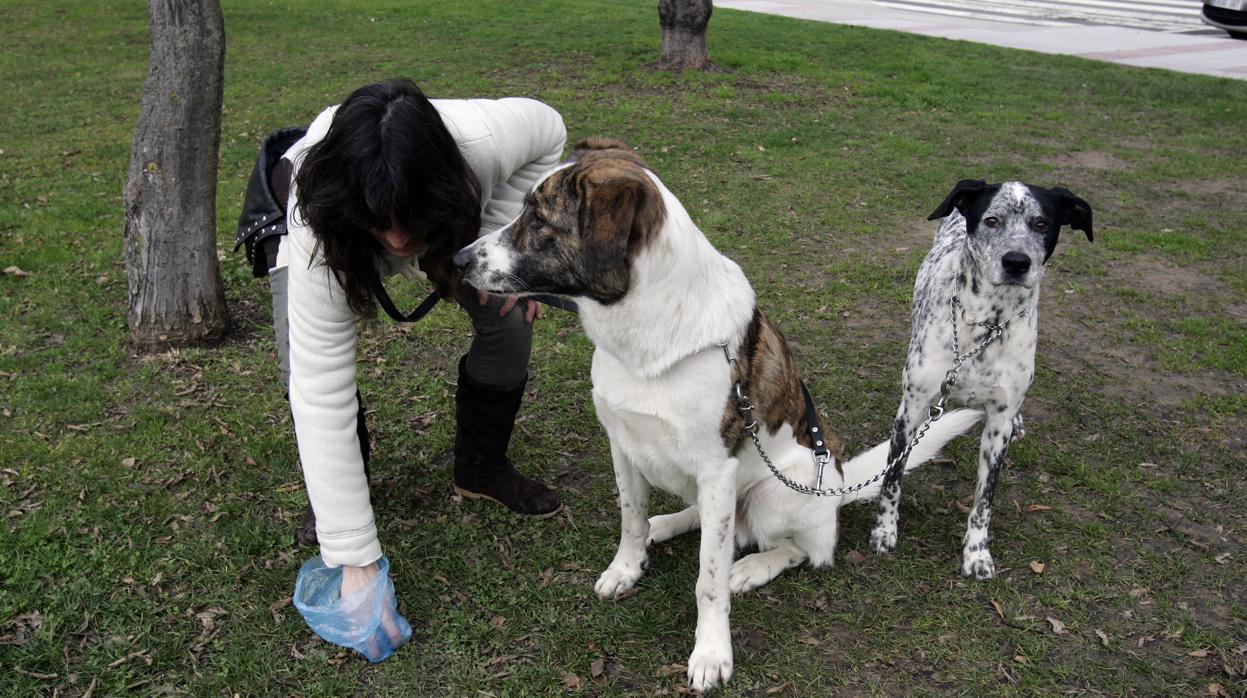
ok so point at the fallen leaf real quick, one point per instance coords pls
(779, 689)
(1216, 689)
(1222, 558)
(572, 682)
(1037, 567)
(1000, 611)
(499, 621)
(1019, 659)
(128, 462)
(1198, 654)
(597, 667)
(1137, 592)
(1103, 637)
(1057, 626)
(670, 670)
(855, 557)
(14, 271)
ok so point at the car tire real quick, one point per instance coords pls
(1242, 36)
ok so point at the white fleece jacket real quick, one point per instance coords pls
(509, 144)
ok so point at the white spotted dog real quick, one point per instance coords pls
(982, 272)
(665, 310)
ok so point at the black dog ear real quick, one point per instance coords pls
(957, 197)
(1073, 211)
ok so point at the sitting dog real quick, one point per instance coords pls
(979, 284)
(676, 334)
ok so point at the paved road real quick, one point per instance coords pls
(1152, 33)
(1156, 15)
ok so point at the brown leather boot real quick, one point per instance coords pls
(485, 418)
(305, 532)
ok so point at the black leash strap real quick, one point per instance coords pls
(429, 302)
(557, 302)
(378, 290)
(816, 429)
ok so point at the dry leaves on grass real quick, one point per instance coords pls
(670, 670)
(572, 682)
(22, 628)
(1037, 567)
(1058, 628)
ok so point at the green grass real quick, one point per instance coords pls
(149, 501)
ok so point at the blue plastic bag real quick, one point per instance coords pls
(367, 621)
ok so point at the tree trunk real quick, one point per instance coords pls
(176, 294)
(684, 34)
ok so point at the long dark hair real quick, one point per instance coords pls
(387, 160)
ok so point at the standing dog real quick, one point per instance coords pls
(989, 255)
(665, 312)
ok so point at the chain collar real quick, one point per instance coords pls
(934, 412)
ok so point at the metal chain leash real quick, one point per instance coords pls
(934, 412)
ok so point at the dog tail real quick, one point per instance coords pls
(870, 463)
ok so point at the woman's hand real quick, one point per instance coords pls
(356, 578)
(393, 630)
(532, 310)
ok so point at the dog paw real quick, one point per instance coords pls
(664, 527)
(978, 564)
(709, 667)
(749, 573)
(616, 580)
(883, 538)
(1019, 428)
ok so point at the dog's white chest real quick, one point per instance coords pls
(668, 426)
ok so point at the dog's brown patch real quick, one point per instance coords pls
(768, 376)
(583, 225)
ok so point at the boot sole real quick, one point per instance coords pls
(467, 494)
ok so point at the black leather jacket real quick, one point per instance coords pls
(264, 204)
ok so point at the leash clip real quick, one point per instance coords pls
(821, 460)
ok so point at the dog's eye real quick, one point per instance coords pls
(1041, 224)
(991, 222)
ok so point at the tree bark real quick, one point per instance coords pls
(684, 25)
(176, 294)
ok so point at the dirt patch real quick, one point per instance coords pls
(1097, 160)
(1163, 276)
(1213, 186)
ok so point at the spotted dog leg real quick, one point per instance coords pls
(710, 664)
(976, 559)
(908, 417)
(630, 559)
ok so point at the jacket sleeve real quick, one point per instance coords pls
(529, 137)
(322, 396)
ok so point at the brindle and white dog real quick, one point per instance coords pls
(989, 254)
(658, 300)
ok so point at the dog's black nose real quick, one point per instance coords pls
(461, 259)
(1015, 263)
